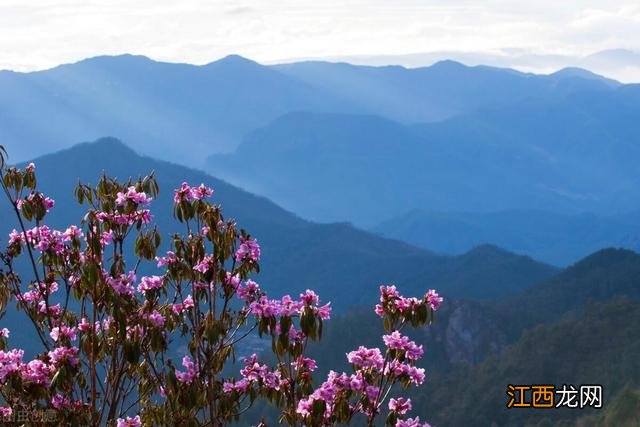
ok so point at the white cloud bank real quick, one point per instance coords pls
(538, 36)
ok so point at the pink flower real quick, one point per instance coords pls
(72, 232)
(191, 372)
(62, 332)
(106, 237)
(139, 198)
(379, 310)
(304, 363)
(49, 203)
(289, 307)
(148, 283)
(414, 374)
(309, 297)
(388, 292)
(201, 192)
(248, 250)
(397, 341)
(5, 411)
(4, 333)
(372, 392)
(400, 405)
(187, 303)
(204, 265)
(239, 386)
(129, 422)
(16, 237)
(411, 422)
(366, 358)
(233, 281)
(433, 299)
(10, 362)
(170, 259)
(265, 307)
(84, 325)
(156, 318)
(36, 372)
(249, 291)
(123, 285)
(184, 193)
(59, 401)
(64, 354)
(325, 311)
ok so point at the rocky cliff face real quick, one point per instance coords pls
(470, 334)
(464, 332)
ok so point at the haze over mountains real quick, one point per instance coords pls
(317, 137)
(466, 165)
(343, 264)
(555, 238)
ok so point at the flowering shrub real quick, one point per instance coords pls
(109, 333)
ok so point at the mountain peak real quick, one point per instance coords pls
(606, 256)
(109, 147)
(448, 64)
(233, 60)
(573, 72)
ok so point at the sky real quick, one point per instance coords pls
(539, 35)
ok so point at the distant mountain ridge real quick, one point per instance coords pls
(343, 264)
(571, 154)
(559, 239)
(177, 112)
(183, 112)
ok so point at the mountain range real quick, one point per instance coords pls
(335, 142)
(209, 108)
(577, 327)
(343, 264)
(567, 156)
(555, 238)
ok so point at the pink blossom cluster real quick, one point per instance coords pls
(400, 405)
(286, 306)
(248, 292)
(132, 195)
(335, 388)
(47, 202)
(406, 371)
(205, 264)
(129, 422)
(37, 371)
(412, 422)
(142, 216)
(85, 326)
(366, 358)
(186, 193)
(123, 284)
(156, 319)
(42, 238)
(187, 377)
(169, 259)
(186, 304)
(433, 299)
(63, 332)
(149, 283)
(392, 302)
(397, 341)
(255, 372)
(249, 250)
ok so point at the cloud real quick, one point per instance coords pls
(56, 31)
